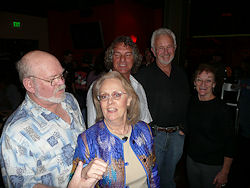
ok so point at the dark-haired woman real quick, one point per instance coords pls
(210, 134)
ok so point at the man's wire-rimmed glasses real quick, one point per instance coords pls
(54, 80)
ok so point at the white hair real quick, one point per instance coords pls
(162, 31)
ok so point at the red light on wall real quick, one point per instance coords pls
(134, 38)
(228, 14)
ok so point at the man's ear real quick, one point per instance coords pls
(29, 85)
(214, 84)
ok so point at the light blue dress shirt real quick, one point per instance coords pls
(37, 146)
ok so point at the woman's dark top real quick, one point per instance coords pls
(210, 131)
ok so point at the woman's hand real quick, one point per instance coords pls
(181, 133)
(220, 179)
(87, 177)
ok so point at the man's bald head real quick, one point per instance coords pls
(32, 62)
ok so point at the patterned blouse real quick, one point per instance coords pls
(98, 141)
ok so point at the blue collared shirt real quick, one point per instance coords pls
(37, 146)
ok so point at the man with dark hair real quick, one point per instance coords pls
(123, 56)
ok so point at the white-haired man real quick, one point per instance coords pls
(167, 91)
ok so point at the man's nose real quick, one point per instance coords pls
(166, 50)
(61, 80)
(203, 83)
(123, 58)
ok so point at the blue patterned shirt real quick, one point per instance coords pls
(37, 146)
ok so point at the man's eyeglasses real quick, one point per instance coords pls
(162, 48)
(116, 95)
(54, 80)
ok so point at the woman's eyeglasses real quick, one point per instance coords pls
(116, 95)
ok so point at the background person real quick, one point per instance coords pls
(97, 70)
(10, 95)
(148, 58)
(210, 134)
(217, 62)
(118, 139)
(122, 56)
(69, 65)
(39, 138)
(167, 91)
(241, 165)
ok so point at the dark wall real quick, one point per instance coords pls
(119, 18)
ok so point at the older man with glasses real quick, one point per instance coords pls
(38, 139)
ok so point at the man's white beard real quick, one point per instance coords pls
(53, 99)
(166, 62)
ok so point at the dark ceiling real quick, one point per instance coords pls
(213, 16)
(41, 8)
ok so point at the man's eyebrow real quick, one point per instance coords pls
(53, 76)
